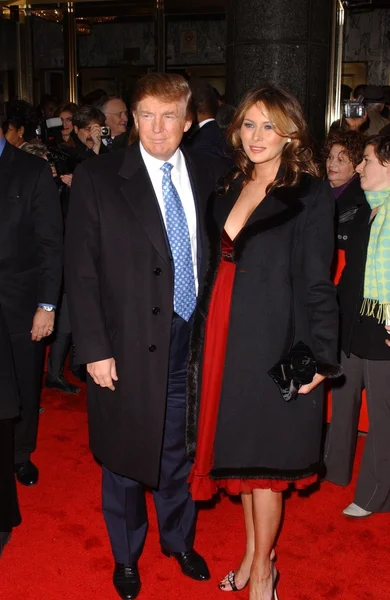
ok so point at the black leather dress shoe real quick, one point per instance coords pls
(191, 563)
(127, 581)
(62, 385)
(5, 537)
(26, 473)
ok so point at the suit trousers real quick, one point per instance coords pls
(124, 503)
(9, 508)
(28, 360)
(373, 486)
(61, 341)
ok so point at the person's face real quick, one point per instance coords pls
(84, 134)
(48, 110)
(259, 139)
(67, 125)
(339, 167)
(161, 125)
(117, 116)
(373, 175)
(14, 136)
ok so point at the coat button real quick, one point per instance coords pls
(156, 310)
(152, 348)
(157, 271)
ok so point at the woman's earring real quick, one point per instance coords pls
(288, 140)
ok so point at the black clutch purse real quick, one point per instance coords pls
(295, 369)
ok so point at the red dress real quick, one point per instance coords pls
(202, 487)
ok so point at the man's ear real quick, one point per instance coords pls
(21, 131)
(187, 125)
(76, 129)
(135, 117)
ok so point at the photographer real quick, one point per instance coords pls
(363, 113)
(61, 339)
(87, 133)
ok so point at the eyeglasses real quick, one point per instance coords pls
(124, 113)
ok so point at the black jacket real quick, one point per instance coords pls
(209, 141)
(120, 142)
(31, 238)
(80, 151)
(361, 335)
(118, 269)
(347, 205)
(283, 256)
(9, 395)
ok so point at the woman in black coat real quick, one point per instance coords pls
(268, 287)
(343, 151)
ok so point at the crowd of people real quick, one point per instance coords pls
(194, 293)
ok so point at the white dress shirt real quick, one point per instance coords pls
(181, 181)
(200, 125)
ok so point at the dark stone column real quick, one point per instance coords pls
(285, 42)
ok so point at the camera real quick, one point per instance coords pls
(105, 132)
(49, 131)
(353, 109)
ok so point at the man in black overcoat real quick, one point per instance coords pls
(208, 139)
(9, 409)
(30, 279)
(131, 281)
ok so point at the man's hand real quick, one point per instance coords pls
(42, 325)
(103, 372)
(355, 123)
(306, 389)
(67, 179)
(96, 137)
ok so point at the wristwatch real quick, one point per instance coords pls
(47, 307)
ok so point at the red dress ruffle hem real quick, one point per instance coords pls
(202, 487)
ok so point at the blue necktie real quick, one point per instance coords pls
(184, 298)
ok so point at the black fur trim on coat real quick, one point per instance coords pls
(198, 332)
(265, 473)
(330, 371)
(290, 198)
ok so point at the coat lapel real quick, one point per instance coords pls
(278, 207)
(141, 199)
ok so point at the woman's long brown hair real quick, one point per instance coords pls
(285, 114)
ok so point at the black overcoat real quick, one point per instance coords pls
(9, 394)
(31, 238)
(119, 281)
(283, 257)
(347, 205)
(367, 331)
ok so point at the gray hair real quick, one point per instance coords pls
(35, 147)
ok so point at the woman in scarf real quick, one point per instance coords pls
(364, 293)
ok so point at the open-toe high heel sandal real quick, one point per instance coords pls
(231, 576)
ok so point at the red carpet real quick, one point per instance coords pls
(61, 550)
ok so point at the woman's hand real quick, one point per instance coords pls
(317, 379)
